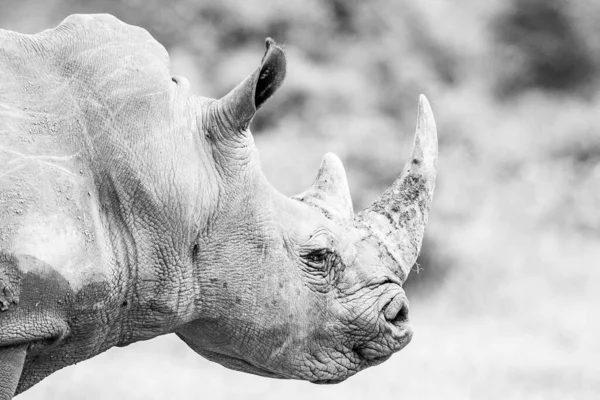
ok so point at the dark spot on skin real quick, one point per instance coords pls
(195, 251)
(416, 161)
(274, 302)
(214, 280)
(10, 281)
(238, 300)
(65, 321)
(124, 303)
(42, 285)
(224, 285)
(281, 285)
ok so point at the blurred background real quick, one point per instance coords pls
(505, 304)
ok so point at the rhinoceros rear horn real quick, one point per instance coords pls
(330, 192)
(240, 105)
(400, 215)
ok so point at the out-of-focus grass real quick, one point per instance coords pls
(506, 306)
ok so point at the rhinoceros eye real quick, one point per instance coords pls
(323, 265)
(316, 258)
(318, 253)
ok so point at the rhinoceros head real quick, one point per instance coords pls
(302, 287)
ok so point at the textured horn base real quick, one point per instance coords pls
(398, 218)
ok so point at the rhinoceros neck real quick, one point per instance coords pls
(155, 201)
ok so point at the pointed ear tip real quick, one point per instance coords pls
(276, 58)
(272, 45)
(270, 42)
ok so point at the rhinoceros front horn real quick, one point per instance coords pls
(398, 218)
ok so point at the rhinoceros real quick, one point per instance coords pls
(130, 208)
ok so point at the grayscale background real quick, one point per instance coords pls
(506, 301)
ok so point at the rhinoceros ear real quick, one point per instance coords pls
(330, 192)
(244, 100)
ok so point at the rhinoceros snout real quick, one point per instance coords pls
(400, 328)
(396, 310)
(394, 328)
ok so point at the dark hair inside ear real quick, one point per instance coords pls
(272, 73)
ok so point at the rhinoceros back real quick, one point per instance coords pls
(47, 205)
(77, 103)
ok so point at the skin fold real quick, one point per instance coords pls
(130, 208)
(11, 365)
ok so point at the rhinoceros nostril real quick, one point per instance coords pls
(396, 310)
(402, 314)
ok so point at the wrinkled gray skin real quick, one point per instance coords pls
(130, 208)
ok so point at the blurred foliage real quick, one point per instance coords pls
(543, 38)
(505, 299)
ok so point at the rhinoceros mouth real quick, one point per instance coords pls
(393, 330)
(396, 337)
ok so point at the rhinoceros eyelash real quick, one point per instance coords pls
(316, 256)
